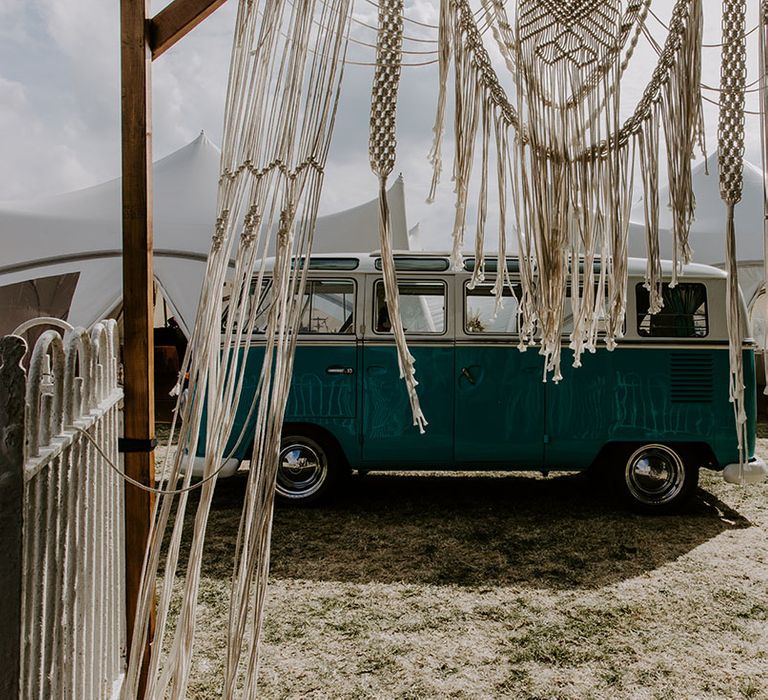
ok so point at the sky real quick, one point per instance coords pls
(60, 100)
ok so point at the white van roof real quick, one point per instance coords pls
(440, 261)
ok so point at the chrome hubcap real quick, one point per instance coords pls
(301, 471)
(655, 475)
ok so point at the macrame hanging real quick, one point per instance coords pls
(568, 165)
(562, 158)
(285, 76)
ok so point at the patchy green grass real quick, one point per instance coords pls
(501, 586)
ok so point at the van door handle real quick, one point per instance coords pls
(339, 370)
(467, 375)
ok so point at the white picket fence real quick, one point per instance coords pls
(68, 582)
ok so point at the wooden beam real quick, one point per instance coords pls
(142, 40)
(177, 19)
(138, 302)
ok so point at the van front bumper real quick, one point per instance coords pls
(229, 467)
(754, 471)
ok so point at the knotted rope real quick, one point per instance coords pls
(730, 133)
(382, 149)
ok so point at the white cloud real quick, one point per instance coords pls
(12, 98)
(12, 22)
(60, 100)
(34, 159)
(189, 83)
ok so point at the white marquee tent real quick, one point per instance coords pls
(66, 249)
(707, 236)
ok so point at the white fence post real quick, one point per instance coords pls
(61, 518)
(12, 390)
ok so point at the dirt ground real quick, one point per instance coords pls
(501, 586)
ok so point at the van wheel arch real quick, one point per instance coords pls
(315, 442)
(668, 488)
(700, 453)
(321, 434)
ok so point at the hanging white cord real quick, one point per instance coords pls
(763, 88)
(382, 146)
(275, 145)
(138, 484)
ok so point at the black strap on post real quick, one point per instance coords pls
(136, 445)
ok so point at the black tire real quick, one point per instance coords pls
(658, 478)
(307, 469)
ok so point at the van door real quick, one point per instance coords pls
(499, 390)
(388, 434)
(581, 406)
(324, 384)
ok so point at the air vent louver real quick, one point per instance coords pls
(690, 375)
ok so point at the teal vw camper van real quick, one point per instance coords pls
(648, 414)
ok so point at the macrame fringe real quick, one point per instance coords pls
(285, 73)
(406, 361)
(444, 61)
(735, 322)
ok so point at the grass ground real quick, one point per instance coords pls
(501, 586)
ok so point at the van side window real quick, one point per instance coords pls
(567, 327)
(258, 304)
(422, 307)
(480, 310)
(328, 307)
(684, 314)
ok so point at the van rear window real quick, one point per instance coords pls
(422, 307)
(684, 314)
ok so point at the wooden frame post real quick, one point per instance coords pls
(138, 302)
(141, 40)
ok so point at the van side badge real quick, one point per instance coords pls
(339, 370)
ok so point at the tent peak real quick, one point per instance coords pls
(203, 140)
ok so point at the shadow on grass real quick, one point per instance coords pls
(478, 530)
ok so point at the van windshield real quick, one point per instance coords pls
(258, 304)
(327, 307)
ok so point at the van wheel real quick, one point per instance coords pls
(305, 470)
(658, 478)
